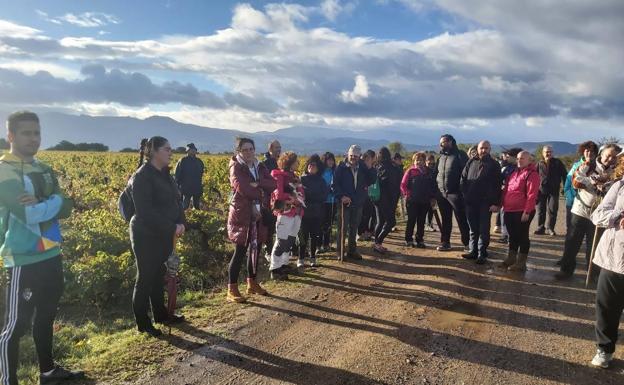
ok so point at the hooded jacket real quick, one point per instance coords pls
(30, 234)
(568, 190)
(608, 214)
(521, 190)
(418, 185)
(449, 169)
(244, 195)
(389, 177)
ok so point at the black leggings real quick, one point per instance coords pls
(386, 219)
(518, 231)
(416, 216)
(237, 260)
(310, 229)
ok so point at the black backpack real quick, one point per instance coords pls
(125, 204)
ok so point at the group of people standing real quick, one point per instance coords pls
(271, 207)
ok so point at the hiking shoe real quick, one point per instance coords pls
(313, 262)
(444, 247)
(481, 261)
(562, 275)
(559, 262)
(379, 248)
(469, 256)
(409, 243)
(149, 329)
(171, 320)
(539, 232)
(497, 229)
(279, 275)
(429, 228)
(354, 255)
(421, 245)
(59, 374)
(300, 263)
(551, 233)
(602, 359)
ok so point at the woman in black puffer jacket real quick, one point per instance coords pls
(389, 179)
(316, 191)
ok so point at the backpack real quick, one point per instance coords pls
(374, 191)
(125, 204)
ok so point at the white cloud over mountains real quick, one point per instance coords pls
(532, 60)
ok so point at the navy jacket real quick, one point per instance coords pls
(343, 184)
(188, 175)
(316, 191)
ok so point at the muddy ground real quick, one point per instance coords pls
(409, 317)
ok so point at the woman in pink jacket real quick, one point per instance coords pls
(519, 198)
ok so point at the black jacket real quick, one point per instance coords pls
(343, 184)
(188, 175)
(316, 191)
(269, 162)
(449, 169)
(551, 176)
(481, 181)
(157, 202)
(389, 176)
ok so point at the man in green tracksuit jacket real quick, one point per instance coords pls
(31, 203)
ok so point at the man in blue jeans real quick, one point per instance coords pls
(481, 187)
(351, 180)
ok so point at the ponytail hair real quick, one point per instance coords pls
(142, 151)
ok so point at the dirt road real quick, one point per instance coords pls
(409, 317)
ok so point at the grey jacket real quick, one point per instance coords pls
(610, 250)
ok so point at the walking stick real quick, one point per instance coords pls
(591, 256)
(341, 231)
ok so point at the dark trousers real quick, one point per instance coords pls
(416, 216)
(368, 218)
(518, 231)
(568, 217)
(498, 219)
(34, 289)
(430, 216)
(609, 306)
(580, 228)
(310, 230)
(352, 219)
(386, 219)
(237, 261)
(547, 203)
(186, 200)
(329, 216)
(479, 221)
(449, 204)
(270, 225)
(150, 253)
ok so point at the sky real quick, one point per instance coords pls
(504, 69)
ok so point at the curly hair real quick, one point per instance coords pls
(589, 145)
(286, 160)
(619, 168)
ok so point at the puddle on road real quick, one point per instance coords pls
(464, 315)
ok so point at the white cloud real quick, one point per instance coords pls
(85, 20)
(331, 9)
(359, 93)
(8, 28)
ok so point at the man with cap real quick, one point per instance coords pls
(351, 178)
(188, 176)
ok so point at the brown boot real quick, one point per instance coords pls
(233, 295)
(520, 264)
(510, 260)
(254, 287)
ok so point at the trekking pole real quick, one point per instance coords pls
(341, 231)
(591, 256)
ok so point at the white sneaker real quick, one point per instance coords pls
(602, 359)
(300, 263)
(313, 262)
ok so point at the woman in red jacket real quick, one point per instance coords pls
(251, 185)
(287, 201)
(519, 199)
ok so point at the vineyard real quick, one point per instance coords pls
(99, 267)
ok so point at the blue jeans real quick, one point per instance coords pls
(479, 221)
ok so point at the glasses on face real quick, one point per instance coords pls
(247, 150)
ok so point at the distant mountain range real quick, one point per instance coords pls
(122, 132)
